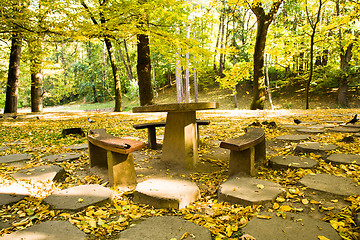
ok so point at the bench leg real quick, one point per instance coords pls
(242, 162)
(121, 169)
(98, 156)
(260, 154)
(152, 138)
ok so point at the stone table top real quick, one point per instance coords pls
(176, 107)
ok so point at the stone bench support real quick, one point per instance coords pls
(247, 152)
(114, 154)
(151, 127)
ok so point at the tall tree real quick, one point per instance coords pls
(13, 74)
(109, 47)
(263, 22)
(35, 49)
(313, 24)
(144, 70)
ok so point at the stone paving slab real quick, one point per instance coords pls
(79, 197)
(310, 130)
(11, 158)
(342, 158)
(293, 162)
(54, 230)
(12, 193)
(63, 157)
(322, 126)
(292, 126)
(350, 125)
(293, 227)
(166, 193)
(75, 147)
(247, 191)
(3, 148)
(315, 147)
(293, 137)
(41, 173)
(345, 129)
(165, 228)
(331, 184)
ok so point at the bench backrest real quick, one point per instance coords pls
(252, 137)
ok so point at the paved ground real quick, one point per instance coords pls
(294, 207)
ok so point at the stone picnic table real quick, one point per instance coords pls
(180, 144)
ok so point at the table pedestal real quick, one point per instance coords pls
(180, 139)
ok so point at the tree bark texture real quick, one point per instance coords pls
(263, 22)
(345, 58)
(36, 52)
(144, 70)
(36, 91)
(13, 74)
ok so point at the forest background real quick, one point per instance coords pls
(126, 52)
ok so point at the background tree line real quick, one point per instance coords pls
(56, 52)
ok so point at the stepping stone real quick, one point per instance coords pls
(63, 157)
(54, 230)
(357, 135)
(333, 121)
(12, 193)
(3, 148)
(346, 129)
(342, 158)
(293, 137)
(165, 228)
(314, 147)
(322, 126)
(79, 197)
(75, 147)
(331, 184)
(247, 191)
(40, 173)
(292, 126)
(310, 130)
(350, 125)
(15, 158)
(293, 162)
(293, 227)
(166, 193)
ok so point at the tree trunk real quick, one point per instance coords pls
(128, 60)
(311, 68)
(313, 25)
(117, 82)
(36, 52)
(345, 58)
(144, 70)
(13, 74)
(263, 23)
(36, 91)
(110, 50)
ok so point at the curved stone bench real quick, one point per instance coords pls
(115, 154)
(247, 152)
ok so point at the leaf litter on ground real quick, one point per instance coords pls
(224, 220)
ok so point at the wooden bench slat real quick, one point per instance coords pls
(252, 137)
